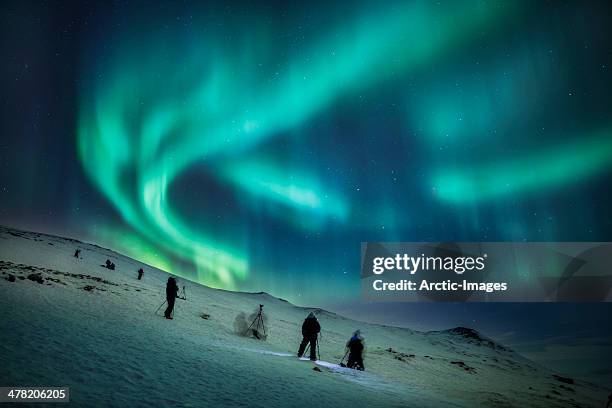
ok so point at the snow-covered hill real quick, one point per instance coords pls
(71, 322)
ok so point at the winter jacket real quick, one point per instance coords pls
(171, 289)
(355, 345)
(310, 327)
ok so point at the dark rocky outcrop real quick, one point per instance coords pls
(565, 380)
(36, 277)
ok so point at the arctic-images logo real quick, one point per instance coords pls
(413, 264)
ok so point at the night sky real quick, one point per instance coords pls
(255, 146)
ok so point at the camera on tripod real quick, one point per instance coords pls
(256, 324)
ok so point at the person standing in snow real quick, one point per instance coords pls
(77, 253)
(140, 273)
(171, 295)
(310, 331)
(355, 346)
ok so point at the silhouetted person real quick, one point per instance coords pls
(77, 253)
(355, 346)
(140, 273)
(108, 263)
(310, 331)
(171, 295)
(609, 404)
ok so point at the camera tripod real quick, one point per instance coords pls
(257, 322)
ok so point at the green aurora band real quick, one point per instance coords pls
(553, 167)
(164, 105)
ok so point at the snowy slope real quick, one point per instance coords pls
(110, 348)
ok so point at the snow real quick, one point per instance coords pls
(110, 348)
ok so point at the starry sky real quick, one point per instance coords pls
(254, 146)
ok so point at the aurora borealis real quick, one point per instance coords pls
(135, 139)
(254, 146)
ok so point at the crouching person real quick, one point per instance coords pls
(356, 347)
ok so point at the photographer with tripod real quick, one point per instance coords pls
(172, 292)
(310, 331)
